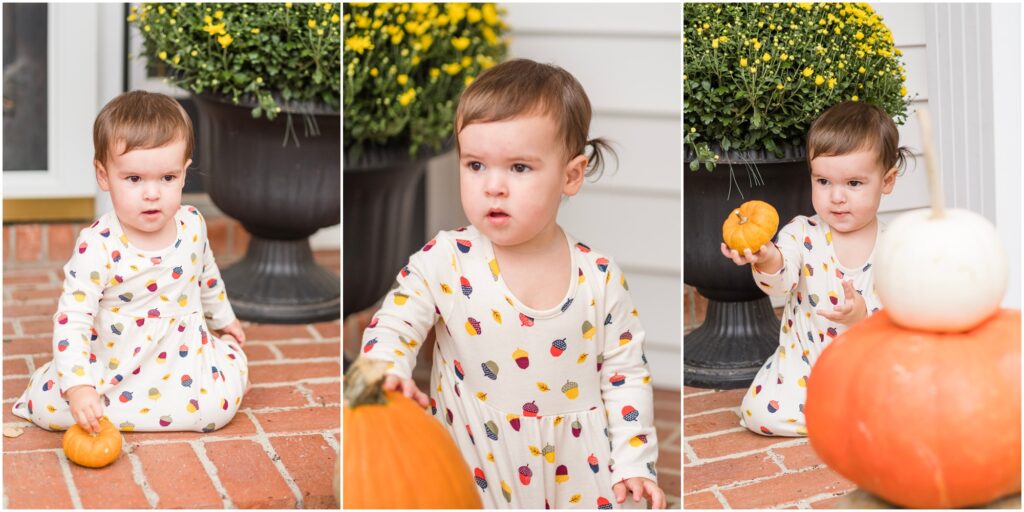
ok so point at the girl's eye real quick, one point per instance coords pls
(476, 166)
(169, 177)
(822, 181)
(856, 183)
(134, 179)
(520, 167)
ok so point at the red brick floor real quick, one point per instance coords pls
(278, 452)
(727, 466)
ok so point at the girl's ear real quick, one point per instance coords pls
(101, 176)
(184, 172)
(575, 171)
(889, 181)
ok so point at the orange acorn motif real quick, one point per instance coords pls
(525, 473)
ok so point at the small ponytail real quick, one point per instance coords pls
(903, 153)
(596, 159)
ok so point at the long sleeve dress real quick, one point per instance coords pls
(811, 278)
(136, 325)
(549, 408)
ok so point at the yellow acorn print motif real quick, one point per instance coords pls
(506, 492)
(473, 326)
(78, 370)
(625, 337)
(79, 295)
(400, 298)
(113, 363)
(94, 276)
(638, 440)
(588, 330)
(582, 278)
(802, 382)
(549, 453)
(154, 394)
(571, 390)
(495, 272)
(183, 301)
(522, 358)
(561, 474)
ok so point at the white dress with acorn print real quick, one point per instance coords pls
(132, 324)
(549, 408)
(812, 278)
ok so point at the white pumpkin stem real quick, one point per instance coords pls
(932, 165)
(363, 382)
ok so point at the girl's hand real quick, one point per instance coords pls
(852, 310)
(768, 259)
(641, 488)
(86, 407)
(234, 329)
(408, 388)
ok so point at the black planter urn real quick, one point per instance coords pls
(281, 180)
(385, 204)
(740, 329)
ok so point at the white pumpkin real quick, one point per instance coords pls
(942, 275)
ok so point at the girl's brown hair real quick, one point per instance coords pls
(142, 120)
(520, 87)
(851, 126)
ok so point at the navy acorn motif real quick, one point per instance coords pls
(490, 370)
(773, 406)
(464, 245)
(458, 370)
(492, 430)
(602, 264)
(557, 347)
(629, 413)
(478, 475)
(467, 289)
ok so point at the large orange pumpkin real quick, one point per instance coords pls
(921, 419)
(750, 226)
(93, 450)
(396, 455)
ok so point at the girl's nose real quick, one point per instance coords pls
(151, 192)
(838, 195)
(494, 184)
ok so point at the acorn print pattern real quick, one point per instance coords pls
(126, 323)
(814, 276)
(546, 380)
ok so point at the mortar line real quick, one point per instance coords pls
(721, 497)
(313, 332)
(690, 453)
(734, 408)
(737, 455)
(140, 478)
(65, 468)
(278, 355)
(811, 499)
(199, 447)
(708, 435)
(275, 459)
(700, 393)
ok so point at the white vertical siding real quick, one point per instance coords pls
(628, 59)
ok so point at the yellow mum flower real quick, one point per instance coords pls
(225, 40)
(434, 72)
(288, 5)
(743, 62)
(473, 15)
(402, 79)
(215, 30)
(177, 59)
(218, 14)
(780, 86)
(374, 72)
(359, 44)
(832, 83)
(861, 70)
(818, 80)
(808, 71)
(453, 68)
(163, 55)
(460, 43)
(469, 80)
(335, 19)
(766, 57)
(903, 90)
(854, 98)
(490, 14)
(311, 23)
(327, 7)
(714, 43)
(406, 97)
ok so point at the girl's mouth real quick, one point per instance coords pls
(497, 216)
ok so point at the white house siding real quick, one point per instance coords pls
(627, 57)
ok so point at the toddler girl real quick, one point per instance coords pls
(539, 370)
(822, 264)
(143, 333)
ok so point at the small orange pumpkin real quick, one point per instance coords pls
(921, 419)
(750, 226)
(396, 455)
(93, 450)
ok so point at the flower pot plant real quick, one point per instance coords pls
(266, 80)
(754, 78)
(405, 65)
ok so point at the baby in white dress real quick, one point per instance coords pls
(143, 332)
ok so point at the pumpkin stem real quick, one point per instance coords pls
(931, 164)
(743, 218)
(363, 382)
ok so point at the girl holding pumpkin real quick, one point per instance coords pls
(539, 370)
(144, 333)
(822, 263)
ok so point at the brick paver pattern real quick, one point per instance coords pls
(279, 451)
(727, 466)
